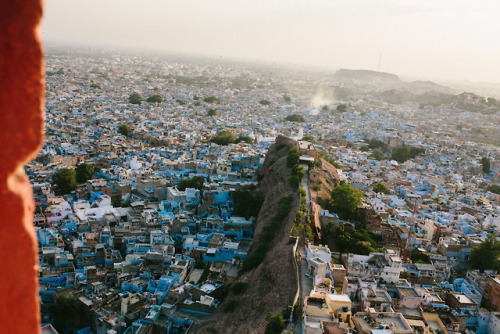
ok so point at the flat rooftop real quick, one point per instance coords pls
(408, 292)
(464, 299)
(315, 301)
(433, 324)
(332, 328)
(340, 298)
(393, 320)
(415, 312)
(319, 249)
(379, 297)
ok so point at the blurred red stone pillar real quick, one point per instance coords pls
(21, 135)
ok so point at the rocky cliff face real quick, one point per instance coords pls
(329, 179)
(272, 285)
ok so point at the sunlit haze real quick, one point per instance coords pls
(434, 39)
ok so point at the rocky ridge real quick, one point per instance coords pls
(272, 285)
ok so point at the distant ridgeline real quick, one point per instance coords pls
(365, 75)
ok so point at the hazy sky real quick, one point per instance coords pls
(453, 39)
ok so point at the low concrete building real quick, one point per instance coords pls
(367, 322)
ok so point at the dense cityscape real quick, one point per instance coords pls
(192, 195)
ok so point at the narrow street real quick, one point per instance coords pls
(305, 283)
(306, 286)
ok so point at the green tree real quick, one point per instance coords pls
(360, 242)
(292, 157)
(124, 129)
(380, 188)
(419, 257)
(308, 138)
(296, 177)
(400, 154)
(403, 153)
(264, 102)
(287, 98)
(295, 118)
(494, 188)
(194, 182)
(224, 137)
(155, 99)
(342, 107)
(65, 180)
(292, 161)
(485, 255)
(374, 143)
(211, 112)
(274, 324)
(135, 98)
(345, 200)
(65, 314)
(84, 172)
(211, 99)
(377, 154)
(486, 164)
(245, 139)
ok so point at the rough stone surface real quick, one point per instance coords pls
(329, 179)
(21, 117)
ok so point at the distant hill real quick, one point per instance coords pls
(488, 89)
(391, 89)
(421, 87)
(365, 75)
(461, 102)
(389, 86)
(426, 97)
(471, 102)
